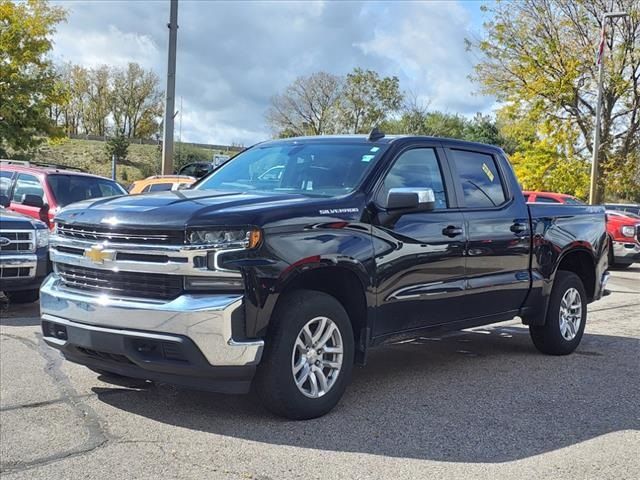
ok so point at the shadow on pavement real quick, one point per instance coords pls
(482, 396)
(19, 315)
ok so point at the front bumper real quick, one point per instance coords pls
(131, 337)
(626, 252)
(23, 271)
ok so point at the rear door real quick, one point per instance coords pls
(419, 257)
(496, 220)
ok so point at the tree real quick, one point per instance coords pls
(99, 94)
(307, 106)
(28, 83)
(136, 103)
(118, 146)
(75, 82)
(538, 60)
(368, 100)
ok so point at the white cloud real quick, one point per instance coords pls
(233, 56)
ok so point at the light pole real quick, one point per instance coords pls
(593, 189)
(169, 103)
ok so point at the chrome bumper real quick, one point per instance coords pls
(626, 251)
(205, 319)
(18, 261)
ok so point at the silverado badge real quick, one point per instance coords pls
(97, 254)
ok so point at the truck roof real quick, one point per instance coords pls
(386, 139)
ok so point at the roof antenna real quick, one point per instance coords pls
(375, 134)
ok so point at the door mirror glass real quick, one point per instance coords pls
(31, 200)
(407, 198)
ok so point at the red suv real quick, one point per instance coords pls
(39, 190)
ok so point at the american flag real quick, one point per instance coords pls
(603, 38)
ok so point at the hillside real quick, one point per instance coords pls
(142, 160)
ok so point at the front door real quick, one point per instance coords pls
(420, 256)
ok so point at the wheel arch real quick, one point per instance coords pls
(346, 282)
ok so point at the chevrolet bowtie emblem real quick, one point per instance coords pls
(97, 254)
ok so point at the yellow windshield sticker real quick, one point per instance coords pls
(487, 172)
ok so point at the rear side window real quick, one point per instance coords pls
(481, 182)
(27, 185)
(159, 187)
(540, 199)
(5, 182)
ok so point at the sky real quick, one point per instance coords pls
(233, 56)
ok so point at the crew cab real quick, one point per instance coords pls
(24, 259)
(624, 232)
(39, 190)
(285, 281)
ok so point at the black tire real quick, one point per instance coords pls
(23, 296)
(274, 382)
(622, 266)
(548, 337)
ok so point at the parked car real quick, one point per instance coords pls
(624, 232)
(24, 261)
(161, 183)
(550, 197)
(41, 190)
(623, 207)
(363, 241)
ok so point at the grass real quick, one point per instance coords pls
(91, 156)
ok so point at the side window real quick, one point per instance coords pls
(540, 199)
(5, 182)
(27, 185)
(481, 182)
(189, 170)
(417, 168)
(160, 187)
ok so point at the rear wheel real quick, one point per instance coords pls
(23, 296)
(566, 317)
(308, 356)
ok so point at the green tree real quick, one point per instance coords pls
(368, 100)
(118, 146)
(538, 60)
(28, 82)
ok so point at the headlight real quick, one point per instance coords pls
(628, 231)
(42, 237)
(227, 238)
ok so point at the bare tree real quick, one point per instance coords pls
(307, 106)
(136, 101)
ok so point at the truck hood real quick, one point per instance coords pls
(193, 208)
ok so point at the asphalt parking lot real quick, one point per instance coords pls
(478, 404)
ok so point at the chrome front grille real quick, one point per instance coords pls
(121, 235)
(17, 241)
(121, 284)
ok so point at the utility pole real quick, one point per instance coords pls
(593, 188)
(169, 103)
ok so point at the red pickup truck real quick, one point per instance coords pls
(40, 191)
(623, 228)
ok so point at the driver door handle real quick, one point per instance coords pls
(452, 231)
(518, 228)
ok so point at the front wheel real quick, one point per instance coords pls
(566, 317)
(308, 356)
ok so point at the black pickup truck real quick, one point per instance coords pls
(282, 268)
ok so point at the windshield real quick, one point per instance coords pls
(324, 169)
(75, 188)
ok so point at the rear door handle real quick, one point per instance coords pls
(452, 231)
(518, 228)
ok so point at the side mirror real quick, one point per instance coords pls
(32, 200)
(411, 199)
(4, 201)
